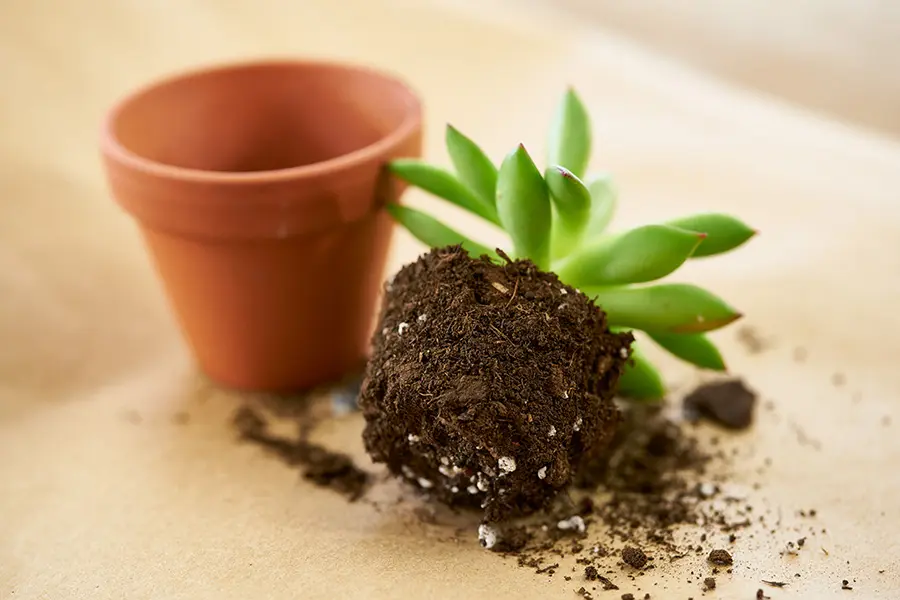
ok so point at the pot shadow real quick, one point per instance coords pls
(78, 303)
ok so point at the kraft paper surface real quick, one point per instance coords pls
(119, 473)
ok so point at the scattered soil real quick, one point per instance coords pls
(650, 474)
(720, 557)
(751, 340)
(634, 557)
(728, 403)
(635, 475)
(319, 465)
(489, 385)
(777, 584)
(592, 574)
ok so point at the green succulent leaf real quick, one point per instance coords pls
(570, 140)
(695, 348)
(432, 232)
(723, 232)
(665, 308)
(473, 167)
(523, 204)
(604, 199)
(442, 184)
(641, 380)
(572, 202)
(636, 256)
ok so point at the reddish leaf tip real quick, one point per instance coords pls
(702, 326)
(702, 236)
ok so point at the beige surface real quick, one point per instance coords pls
(840, 57)
(95, 505)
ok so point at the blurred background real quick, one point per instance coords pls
(839, 57)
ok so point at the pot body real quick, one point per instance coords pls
(259, 191)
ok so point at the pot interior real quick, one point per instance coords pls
(261, 117)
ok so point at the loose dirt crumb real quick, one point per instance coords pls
(727, 403)
(709, 583)
(720, 557)
(751, 340)
(634, 557)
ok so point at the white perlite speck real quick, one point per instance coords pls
(422, 318)
(412, 438)
(561, 306)
(577, 425)
(472, 489)
(407, 471)
(623, 352)
(552, 431)
(454, 489)
(425, 483)
(487, 535)
(707, 490)
(542, 473)
(507, 464)
(445, 471)
(482, 483)
(402, 327)
(566, 394)
(445, 461)
(385, 331)
(574, 522)
(563, 291)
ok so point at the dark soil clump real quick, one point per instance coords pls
(319, 465)
(634, 557)
(490, 385)
(727, 403)
(720, 557)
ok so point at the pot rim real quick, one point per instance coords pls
(114, 149)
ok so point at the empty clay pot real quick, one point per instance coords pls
(259, 189)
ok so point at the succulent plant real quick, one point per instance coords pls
(559, 220)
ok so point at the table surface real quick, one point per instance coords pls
(105, 493)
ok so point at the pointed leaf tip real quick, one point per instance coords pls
(565, 172)
(725, 232)
(523, 204)
(570, 134)
(664, 308)
(473, 167)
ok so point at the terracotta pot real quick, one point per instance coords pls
(258, 189)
